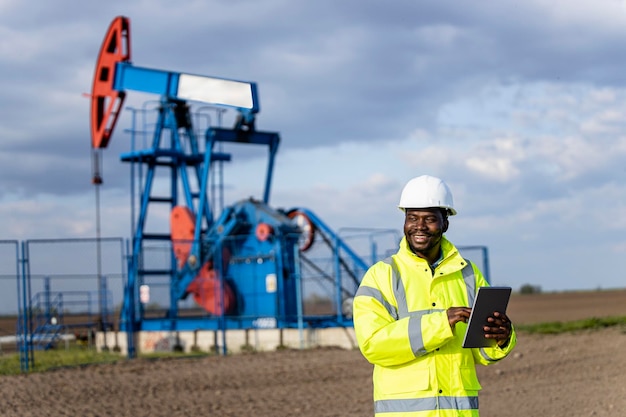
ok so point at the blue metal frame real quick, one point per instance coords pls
(234, 228)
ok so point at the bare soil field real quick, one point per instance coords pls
(575, 374)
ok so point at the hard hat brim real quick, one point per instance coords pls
(451, 211)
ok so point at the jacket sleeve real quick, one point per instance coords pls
(491, 355)
(383, 337)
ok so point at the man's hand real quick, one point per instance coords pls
(457, 314)
(498, 327)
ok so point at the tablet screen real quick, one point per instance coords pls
(487, 301)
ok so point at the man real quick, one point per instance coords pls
(411, 310)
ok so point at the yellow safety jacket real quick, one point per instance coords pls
(401, 326)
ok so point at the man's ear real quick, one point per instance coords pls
(445, 224)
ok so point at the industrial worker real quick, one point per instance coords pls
(411, 311)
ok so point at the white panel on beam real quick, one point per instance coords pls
(215, 91)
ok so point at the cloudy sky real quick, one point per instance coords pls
(519, 106)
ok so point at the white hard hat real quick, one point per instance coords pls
(426, 191)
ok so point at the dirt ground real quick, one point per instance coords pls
(580, 374)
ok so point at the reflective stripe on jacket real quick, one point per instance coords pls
(401, 325)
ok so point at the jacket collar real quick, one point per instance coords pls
(448, 250)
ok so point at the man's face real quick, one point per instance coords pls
(423, 229)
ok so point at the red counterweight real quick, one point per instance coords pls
(206, 287)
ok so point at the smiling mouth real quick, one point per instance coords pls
(420, 238)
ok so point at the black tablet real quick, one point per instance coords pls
(488, 300)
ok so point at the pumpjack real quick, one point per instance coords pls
(246, 266)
